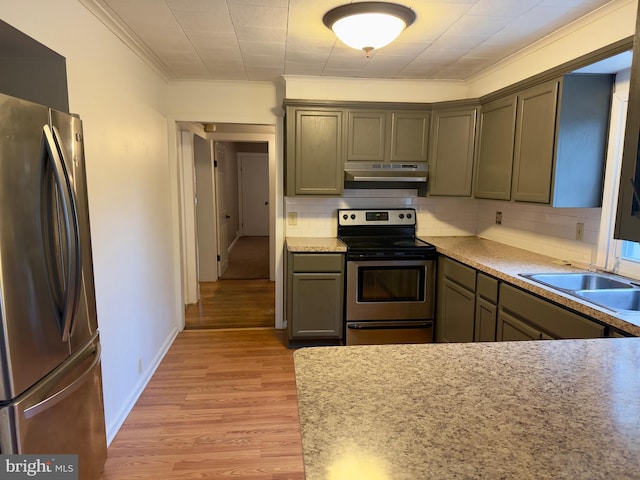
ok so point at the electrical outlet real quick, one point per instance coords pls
(139, 366)
(579, 231)
(293, 218)
(498, 218)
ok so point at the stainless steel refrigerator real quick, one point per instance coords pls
(50, 387)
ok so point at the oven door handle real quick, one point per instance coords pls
(391, 325)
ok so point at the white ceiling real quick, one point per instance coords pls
(260, 40)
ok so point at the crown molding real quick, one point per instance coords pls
(553, 38)
(115, 24)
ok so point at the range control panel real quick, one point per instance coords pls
(390, 217)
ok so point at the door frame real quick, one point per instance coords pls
(184, 157)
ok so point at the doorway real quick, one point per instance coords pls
(243, 293)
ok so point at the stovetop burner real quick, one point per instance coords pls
(376, 233)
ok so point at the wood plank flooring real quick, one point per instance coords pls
(222, 405)
(233, 304)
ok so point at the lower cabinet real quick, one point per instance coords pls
(314, 301)
(511, 329)
(456, 301)
(523, 316)
(475, 307)
(486, 308)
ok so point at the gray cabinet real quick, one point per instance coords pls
(486, 311)
(387, 136)
(533, 151)
(367, 136)
(627, 225)
(473, 306)
(456, 298)
(494, 160)
(524, 316)
(314, 297)
(559, 143)
(315, 151)
(409, 136)
(451, 151)
(512, 329)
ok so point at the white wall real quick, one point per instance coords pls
(373, 89)
(122, 104)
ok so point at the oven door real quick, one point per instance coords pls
(383, 333)
(390, 290)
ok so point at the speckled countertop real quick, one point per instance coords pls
(507, 263)
(499, 260)
(510, 410)
(315, 245)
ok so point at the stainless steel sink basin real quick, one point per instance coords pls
(618, 300)
(578, 281)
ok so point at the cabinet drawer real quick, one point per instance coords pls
(555, 320)
(318, 262)
(487, 287)
(459, 273)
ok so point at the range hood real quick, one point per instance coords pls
(386, 175)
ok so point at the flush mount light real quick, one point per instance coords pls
(368, 25)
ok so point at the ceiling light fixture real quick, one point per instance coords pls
(368, 25)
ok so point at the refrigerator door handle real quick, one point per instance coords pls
(52, 147)
(57, 397)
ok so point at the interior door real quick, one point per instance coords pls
(205, 210)
(222, 211)
(254, 182)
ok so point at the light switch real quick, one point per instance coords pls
(293, 218)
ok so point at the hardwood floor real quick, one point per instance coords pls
(233, 304)
(221, 405)
(249, 258)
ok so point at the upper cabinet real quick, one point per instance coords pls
(451, 149)
(494, 161)
(409, 136)
(556, 132)
(627, 225)
(379, 136)
(315, 151)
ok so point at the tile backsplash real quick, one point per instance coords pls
(538, 228)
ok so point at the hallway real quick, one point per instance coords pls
(243, 297)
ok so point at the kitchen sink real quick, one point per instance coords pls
(619, 300)
(578, 281)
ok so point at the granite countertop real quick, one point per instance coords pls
(507, 263)
(511, 410)
(315, 245)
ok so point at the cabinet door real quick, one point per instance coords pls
(316, 305)
(318, 166)
(485, 322)
(452, 140)
(409, 136)
(455, 319)
(534, 143)
(366, 135)
(495, 149)
(510, 329)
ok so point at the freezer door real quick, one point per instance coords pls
(61, 415)
(32, 342)
(68, 131)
